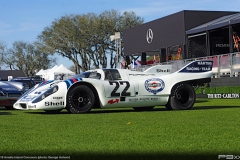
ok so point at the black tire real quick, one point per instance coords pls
(9, 108)
(182, 97)
(143, 108)
(80, 99)
(53, 111)
(168, 106)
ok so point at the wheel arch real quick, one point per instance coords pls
(97, 101)
(194, 82)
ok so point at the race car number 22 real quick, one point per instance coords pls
(124, 92)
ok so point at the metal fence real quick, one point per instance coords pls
(223, 65)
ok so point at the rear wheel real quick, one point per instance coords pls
(168, 106)
(80, 99)
(182, 97)
(143, 108)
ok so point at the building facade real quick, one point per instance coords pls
(183, 35)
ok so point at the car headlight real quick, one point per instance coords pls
(46, 94)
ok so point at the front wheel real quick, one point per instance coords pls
(182, 97)
(80, 99)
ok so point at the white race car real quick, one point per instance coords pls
(104, 88)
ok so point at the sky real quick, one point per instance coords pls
(24, 20)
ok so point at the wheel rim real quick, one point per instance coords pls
(80, 99)
(182, 96)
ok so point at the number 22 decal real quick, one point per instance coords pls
(124, 92)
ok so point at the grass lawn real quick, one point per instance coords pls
(212, 127)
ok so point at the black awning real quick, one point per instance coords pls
(217, 23)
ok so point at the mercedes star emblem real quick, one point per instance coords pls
(149, 36)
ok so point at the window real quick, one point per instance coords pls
(112, 74)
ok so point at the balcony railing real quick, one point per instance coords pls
(223, 65)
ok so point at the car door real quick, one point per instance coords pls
(114, 86)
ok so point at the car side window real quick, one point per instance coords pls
(95, 75)
(112, 74)
(108, 75)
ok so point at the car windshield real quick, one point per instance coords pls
(93, 75)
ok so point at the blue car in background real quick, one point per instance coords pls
(10, 91)
(30, 82)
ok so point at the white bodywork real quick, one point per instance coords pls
(130, 89)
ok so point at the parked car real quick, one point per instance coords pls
(10, 92)
(26, 80)
(37, 79)
(105, 88)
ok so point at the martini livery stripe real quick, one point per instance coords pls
(198, 67)
(69, 82)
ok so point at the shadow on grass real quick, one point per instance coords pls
(119, 110)
(200, 101)
(6, 113)
(213, 107)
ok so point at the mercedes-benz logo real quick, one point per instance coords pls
(149, 36)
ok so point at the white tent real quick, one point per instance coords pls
(45, 73)
(52, 73)
(55, 71)
(40, 72)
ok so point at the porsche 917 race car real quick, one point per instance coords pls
(104, 88)
(10, 92)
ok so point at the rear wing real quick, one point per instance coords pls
(197, 67)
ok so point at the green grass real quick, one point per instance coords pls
(212, 127)
(219, 90)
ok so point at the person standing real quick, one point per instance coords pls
(62, 76)
(59, 77)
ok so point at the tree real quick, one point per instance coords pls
(84, 39)
(27, 57)
(2, 52)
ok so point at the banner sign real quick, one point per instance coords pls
(229, 95)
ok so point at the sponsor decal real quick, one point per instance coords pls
(154, 85)
(198, 66)
(154, 99)
(57, 98)
(230, 95)
(133, 99)
(113, 101)
(204, 63)
(144, 99)
(54, 103)
(31, 106)
(163, 70)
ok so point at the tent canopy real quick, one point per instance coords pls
(62, 69)
(217, 23)
(51, 74)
